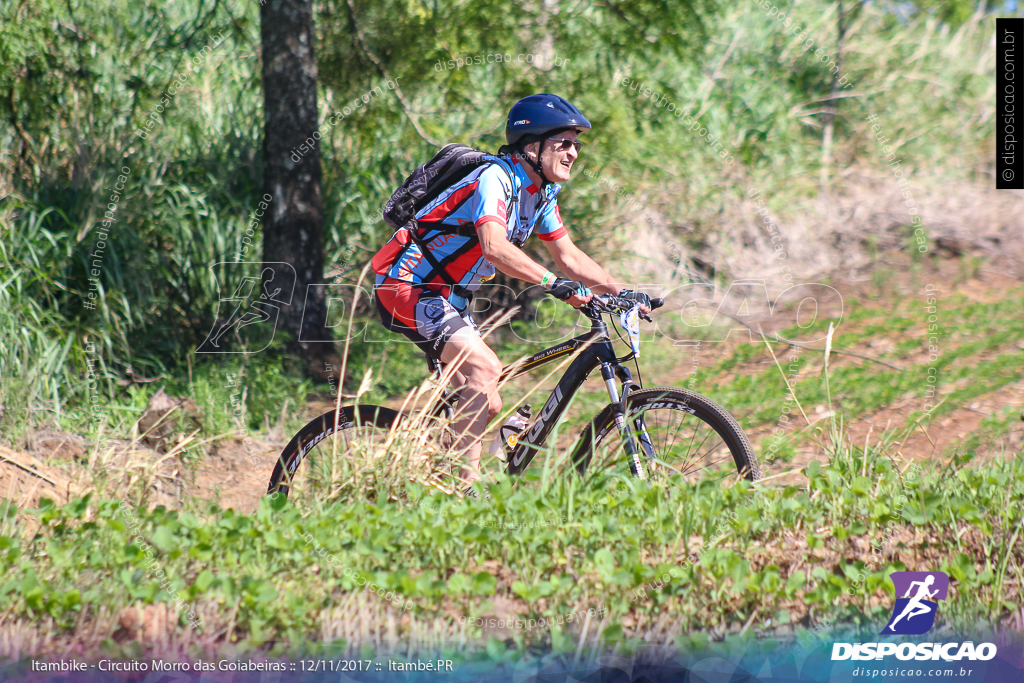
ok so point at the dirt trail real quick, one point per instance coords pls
(57, 465)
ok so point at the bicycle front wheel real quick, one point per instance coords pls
(676, 432)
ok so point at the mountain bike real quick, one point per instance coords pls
(660, 432)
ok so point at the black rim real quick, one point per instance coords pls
(317, 431)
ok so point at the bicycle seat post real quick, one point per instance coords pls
(435, 367)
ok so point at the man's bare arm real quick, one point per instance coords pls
(578, 266)
(512, 261)
(505, 256)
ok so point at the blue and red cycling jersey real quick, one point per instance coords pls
(490, 193)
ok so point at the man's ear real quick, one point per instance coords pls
(532, 149)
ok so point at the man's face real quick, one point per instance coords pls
(556, 164)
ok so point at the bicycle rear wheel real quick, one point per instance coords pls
(677, 433)
(358, 431)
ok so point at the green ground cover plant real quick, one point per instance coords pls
(260, 577)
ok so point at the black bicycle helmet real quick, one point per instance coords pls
(533, 117)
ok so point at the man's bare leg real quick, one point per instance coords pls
(480, 370)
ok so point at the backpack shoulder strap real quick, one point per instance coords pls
(435, 266)
(504, 166)
(452, 163)
(470, 158)
(501, 163)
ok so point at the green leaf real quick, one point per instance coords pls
(32, 591)
(204, 580)
(29, 581)
(458, 584)
(78, 506)
(484, 583)
(495, 649)
(164, 539)
(267, 592)
(544, 589)
(612, 634)
(961, 567)
(126, 577)
(71, 598)
(862, 486)
(276, 539)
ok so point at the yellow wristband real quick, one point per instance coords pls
(548, 279)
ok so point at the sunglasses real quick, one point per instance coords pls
(566, 144)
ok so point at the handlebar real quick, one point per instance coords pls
(608, 303)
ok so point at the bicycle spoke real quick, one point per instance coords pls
(702, 456)
(687, 445)
(659, 448)
(682, 422)
(708, 466)
(703, 441)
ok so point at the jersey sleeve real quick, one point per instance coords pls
(550, 226)
(492, 198)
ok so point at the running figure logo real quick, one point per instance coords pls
(253, 307)
(914, 613)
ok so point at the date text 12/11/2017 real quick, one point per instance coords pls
(369, 665)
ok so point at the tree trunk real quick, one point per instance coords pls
(293, 228)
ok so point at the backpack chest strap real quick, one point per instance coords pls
(438, 268)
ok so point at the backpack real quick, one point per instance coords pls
(450, 165)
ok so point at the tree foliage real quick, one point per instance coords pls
(78, 81)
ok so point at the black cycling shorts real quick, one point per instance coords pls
(420, 314)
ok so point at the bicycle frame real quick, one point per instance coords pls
(597, 351)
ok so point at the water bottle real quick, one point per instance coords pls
(508, 436)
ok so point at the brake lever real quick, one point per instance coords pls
(591, 309)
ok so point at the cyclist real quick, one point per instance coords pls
(505, 200)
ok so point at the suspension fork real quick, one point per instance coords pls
(608, 372)
(645, 439)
